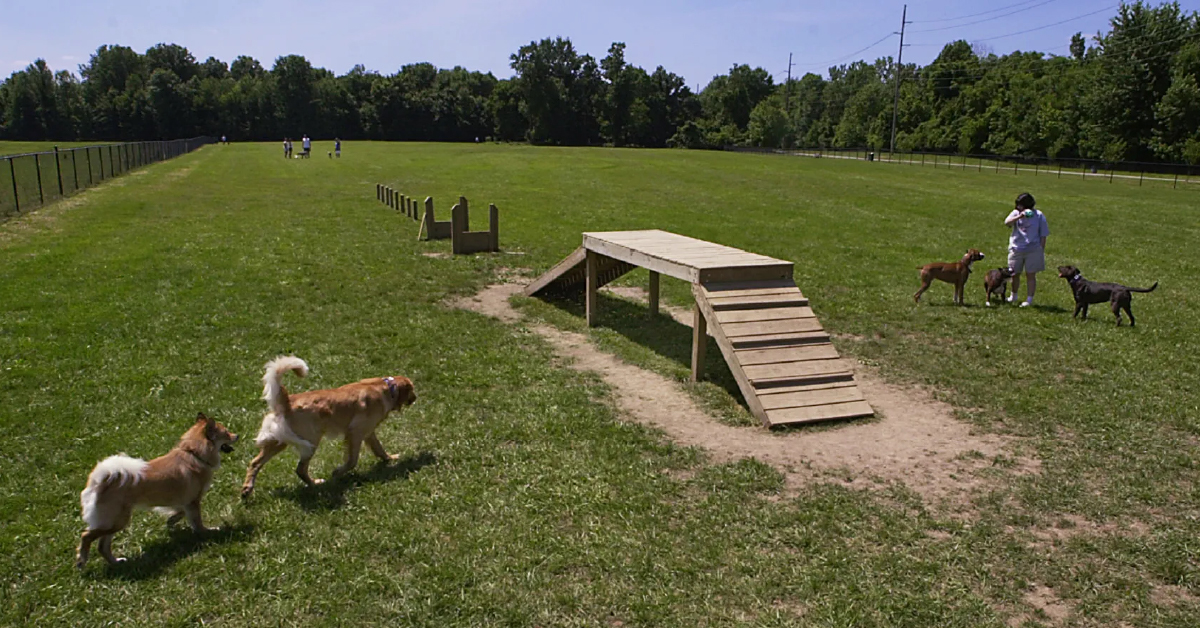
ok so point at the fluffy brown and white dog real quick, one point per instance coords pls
(172, 484)
(352, 411)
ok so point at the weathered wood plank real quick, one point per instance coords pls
(780, 340)
(750, 357)
(769, 314)
(575, 259)
(808, 398)
(699, 342)
(789, 371)
(814, 384)
(763, 272)
(739, 375)
(737, 288)
(793, 325)
(754, 302)
(793, 416)
(592, 263)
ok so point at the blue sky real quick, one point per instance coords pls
(697, 39)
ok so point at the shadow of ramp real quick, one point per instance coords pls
(181, 542)
(661, 334)
(331, 495)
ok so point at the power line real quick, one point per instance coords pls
(965, 17)
(849, 55)
(1030, 30)
(995, 17)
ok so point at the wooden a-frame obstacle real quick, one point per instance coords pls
(462, 241)
(782, 359)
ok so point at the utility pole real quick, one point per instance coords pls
(787, 89)
(896, 77)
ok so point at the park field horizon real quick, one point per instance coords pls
(524, 496)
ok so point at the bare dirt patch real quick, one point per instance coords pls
(1044, 599)
(916, 441)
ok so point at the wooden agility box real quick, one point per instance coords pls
(785, 366)
(462, 240)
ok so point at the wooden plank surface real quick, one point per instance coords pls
(573, 260)
(736, 288)
(812, 414)
(750, 357)
(789, 371)
(758, 328)
(769, 314)
(815, 384)
(809, 398)
(780, 340)
(758, 301)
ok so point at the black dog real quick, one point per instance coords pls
(996, 280)
(1088, 292)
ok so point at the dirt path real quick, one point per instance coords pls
(917, 442)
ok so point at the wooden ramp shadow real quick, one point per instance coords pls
(784, 363)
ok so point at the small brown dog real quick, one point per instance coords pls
(353, 411)
(950, 272)
(996, 281)
(172, 484)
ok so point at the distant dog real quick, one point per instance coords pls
(950, 272)
(352, 411)
(995, 281)
(1089, 292)
(172, 484)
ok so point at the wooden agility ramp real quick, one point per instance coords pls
(786, 367)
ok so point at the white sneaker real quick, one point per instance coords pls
(1012, 298)
(1026, 303)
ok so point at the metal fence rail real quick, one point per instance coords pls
(1142, 173)
(32, 180)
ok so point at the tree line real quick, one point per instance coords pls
(1132, 93)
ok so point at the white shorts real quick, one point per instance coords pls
(1031, 260)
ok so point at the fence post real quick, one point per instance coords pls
(997, 164)
(12, 171)
(88, 152)
(1111, 169)
(1015, 164)
(75, 169)
(58, 169)
(1035, 168)
(980, 163)
(1060, 169)
(1176, 184)
(112, 163)
(37, 164)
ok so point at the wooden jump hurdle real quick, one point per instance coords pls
(399, 202)
(464, 242)
(782, 359)
(434, 230)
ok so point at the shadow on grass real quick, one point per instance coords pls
(180, 543)
(331, 495)
(661, 334)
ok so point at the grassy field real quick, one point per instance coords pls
(18, 148)
(523, 499)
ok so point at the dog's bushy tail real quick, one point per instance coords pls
(1150, 289)
(273, 392)
(112, 471)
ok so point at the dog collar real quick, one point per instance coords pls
(391, 384)
(205, 462)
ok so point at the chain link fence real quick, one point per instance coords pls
(32, 180)
(1177, 176)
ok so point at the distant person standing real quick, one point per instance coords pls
(337, 148)
(307, 145)
(287, 148)
(223, 140)
(1026, 245)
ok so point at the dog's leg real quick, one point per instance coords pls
(1129, 311)
(302, 469)
(1085, 309)
(378, 450)
(192, 510)
(106, 550)
(85, 544)
(174, 519)
(925, 281)
(353, 449)
(269, 449)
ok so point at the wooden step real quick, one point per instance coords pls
(754, 302)
(766, 341)
(806, 398)
(769, 314)
(813, 414)
(795, 371)
(760, 328)
(752, 357)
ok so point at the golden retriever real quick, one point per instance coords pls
(172, 484)
(352, 411)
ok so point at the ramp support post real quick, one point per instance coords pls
(699, 342)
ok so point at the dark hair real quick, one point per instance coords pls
(1025, 200)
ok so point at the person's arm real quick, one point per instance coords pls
(1045, 231)
(1012, 217)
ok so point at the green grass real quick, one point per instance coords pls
(522, 499)
(18, 148)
